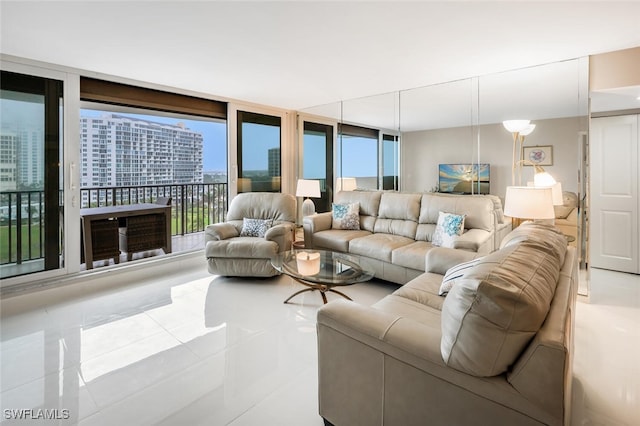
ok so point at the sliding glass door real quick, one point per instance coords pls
(31, 210)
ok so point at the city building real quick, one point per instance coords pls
(119, 151)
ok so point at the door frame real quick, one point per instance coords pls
(69, 171)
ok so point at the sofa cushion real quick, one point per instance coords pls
(263, 205)
(490, 315)
(378, 246)
(396, 205)
(424, 290)
(412, 255)
(398, 214)
(478, 210)
(255, 227)
(345, 216)
(448, 228)
(369, 205)
(337, 239)
(242, 248)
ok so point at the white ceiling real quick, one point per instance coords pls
(300, 54)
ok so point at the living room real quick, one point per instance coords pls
(182, 312)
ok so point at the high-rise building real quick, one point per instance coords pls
(274, 162)
(120, 151)
(8, 161)
(21, 159)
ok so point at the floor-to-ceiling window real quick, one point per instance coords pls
(259, 152)
(31, 207)
(138, 145)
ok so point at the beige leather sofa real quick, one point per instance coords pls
(229, 253)
(396, 229)
(496, 351)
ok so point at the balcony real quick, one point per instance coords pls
(193, 207)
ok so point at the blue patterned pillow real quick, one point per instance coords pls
(255, 227)
(346, 216)
(448, 228)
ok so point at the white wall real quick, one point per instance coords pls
(423, 151)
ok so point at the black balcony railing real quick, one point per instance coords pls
(193, 207)
(21, 226)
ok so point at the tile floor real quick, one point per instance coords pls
(191, 348)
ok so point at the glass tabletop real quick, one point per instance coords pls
(321, 267)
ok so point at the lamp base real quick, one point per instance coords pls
(308, 208)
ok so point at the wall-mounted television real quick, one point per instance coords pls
(464, 178)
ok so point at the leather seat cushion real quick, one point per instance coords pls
(378, 246)
(411, 256)
(242, 248)
(337, 239)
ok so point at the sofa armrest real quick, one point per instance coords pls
(383, 331)
(315, 223)
(282, 234)
(440, 259)
(318, 222)
(472, 240)
(219, 231)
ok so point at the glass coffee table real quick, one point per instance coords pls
(321, 270)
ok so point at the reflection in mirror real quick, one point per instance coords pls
(368, 142)
(460, 122)
(317, 130)
(554, 98)
(548, 95)
(437, 124)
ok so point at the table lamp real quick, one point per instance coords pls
(308, 188)
(529, 202)
(346, 184)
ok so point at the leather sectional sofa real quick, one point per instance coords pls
(497, 350)
(396, 229)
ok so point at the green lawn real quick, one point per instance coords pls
(34, 243)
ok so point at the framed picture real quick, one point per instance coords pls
(540, 155)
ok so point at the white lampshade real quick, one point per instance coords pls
(346, 184)
(556, 192)
(308, 188)
(527, 130)
(529, 202)
(516, 125)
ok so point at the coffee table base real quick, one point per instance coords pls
(322, 288)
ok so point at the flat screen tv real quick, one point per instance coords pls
(464, 178)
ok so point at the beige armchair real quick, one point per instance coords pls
(232, 252)
(567, 216)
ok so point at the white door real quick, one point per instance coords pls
(614, 194)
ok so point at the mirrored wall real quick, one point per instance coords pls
(451, 129)
(460, 122)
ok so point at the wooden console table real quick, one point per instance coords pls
(102, 223)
